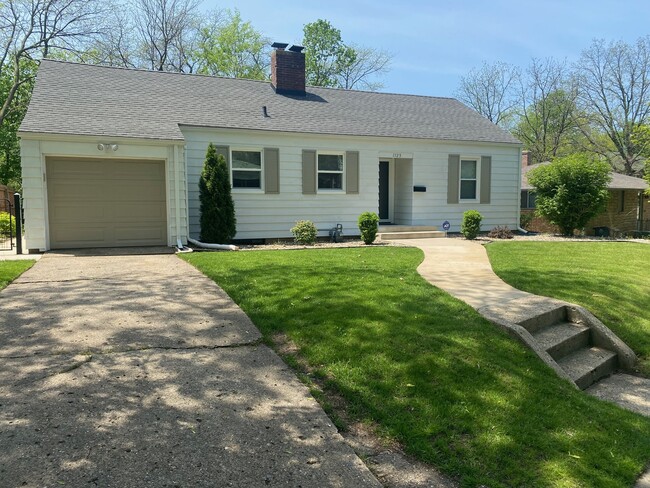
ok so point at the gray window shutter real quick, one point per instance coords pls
(225, 152)
(453, 178)
(271, 170)
(486, 178)
(352, 172)
(308, 172)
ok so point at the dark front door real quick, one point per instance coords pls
(384, 203)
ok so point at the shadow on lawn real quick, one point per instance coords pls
(452, 388)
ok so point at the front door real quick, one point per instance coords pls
(384, 191)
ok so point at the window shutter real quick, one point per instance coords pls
(453, 178)
(352, 172)
(308, 172)
(271, 170)
(486, 178)
(225, 152)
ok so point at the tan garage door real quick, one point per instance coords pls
(106, 203)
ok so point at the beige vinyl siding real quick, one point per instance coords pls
(262, 215)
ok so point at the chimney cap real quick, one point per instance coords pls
(296, 49)
(279, 45)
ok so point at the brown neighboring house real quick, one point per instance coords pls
(6, 197)
(628, 209)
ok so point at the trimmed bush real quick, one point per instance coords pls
(218, 223)
(5, 220)
(471, 225)
(368, 225)
(304, 232)
(500, 232)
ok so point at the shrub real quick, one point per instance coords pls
(368, 225)
(5, 219)
(218, 223)
(471, 225)
(525, 219)
(500, 232)
(571, 190)
(304, 232)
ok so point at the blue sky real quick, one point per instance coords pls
(436, 42)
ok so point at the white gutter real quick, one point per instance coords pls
(223, 247)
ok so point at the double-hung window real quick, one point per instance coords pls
(330, 171)
(247, 169)
(468, 179)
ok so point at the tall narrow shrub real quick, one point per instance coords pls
(218, 223)
(368, 225)
(471, 224)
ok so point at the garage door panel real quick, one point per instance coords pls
(105, 203)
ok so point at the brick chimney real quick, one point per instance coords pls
(524, 158)
(288, 70)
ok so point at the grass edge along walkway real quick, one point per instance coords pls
(429, 372)
(10, 270)
(610, 279)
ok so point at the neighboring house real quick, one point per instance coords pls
(6, 199)
(628, 208)
(112, 157)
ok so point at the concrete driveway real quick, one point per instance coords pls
(137, 371)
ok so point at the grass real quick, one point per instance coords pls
(10, 270)
(427, 371)
(611, 279)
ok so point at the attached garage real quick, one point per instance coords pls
(106, 202)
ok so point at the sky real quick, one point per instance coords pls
(434, 43)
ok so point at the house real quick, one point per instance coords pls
(112, 156)
(628, 209)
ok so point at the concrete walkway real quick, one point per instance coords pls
(462, 269)
(138, 371)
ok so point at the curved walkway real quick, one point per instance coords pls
(462, 269)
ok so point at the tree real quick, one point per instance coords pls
(32, 29)
(571, 190)
(218, 223)
(614, 80)
(330, 62)
(491, 91)
(10, 173)
(548, 116)
(233, 48)
(166, 32)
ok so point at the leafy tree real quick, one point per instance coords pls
(218, 223)
(492, 91)
(330, 62)
(33, 29)
(10, 173)
(614, 80)
(571, 190)
(548, 116)
(233, 49)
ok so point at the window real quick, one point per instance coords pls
(330, 171)
(247, 169)
(528, 199)
(468, 179)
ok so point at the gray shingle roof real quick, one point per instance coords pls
(79, 99)
(618, 181)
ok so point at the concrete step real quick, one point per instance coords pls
(405, 228)
(427, 234)
(588, 365)
(562, 339)
(546, 319)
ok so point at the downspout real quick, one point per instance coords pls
(223, 247)
(177, 191)
(639, 222)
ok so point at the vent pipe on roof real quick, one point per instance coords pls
(288, 70)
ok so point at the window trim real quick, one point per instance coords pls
(477, 179)
(342, 172)
(528, 194)
(261, 170)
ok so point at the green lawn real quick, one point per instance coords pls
(611, 279)
(426, 370)
(10, 270)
